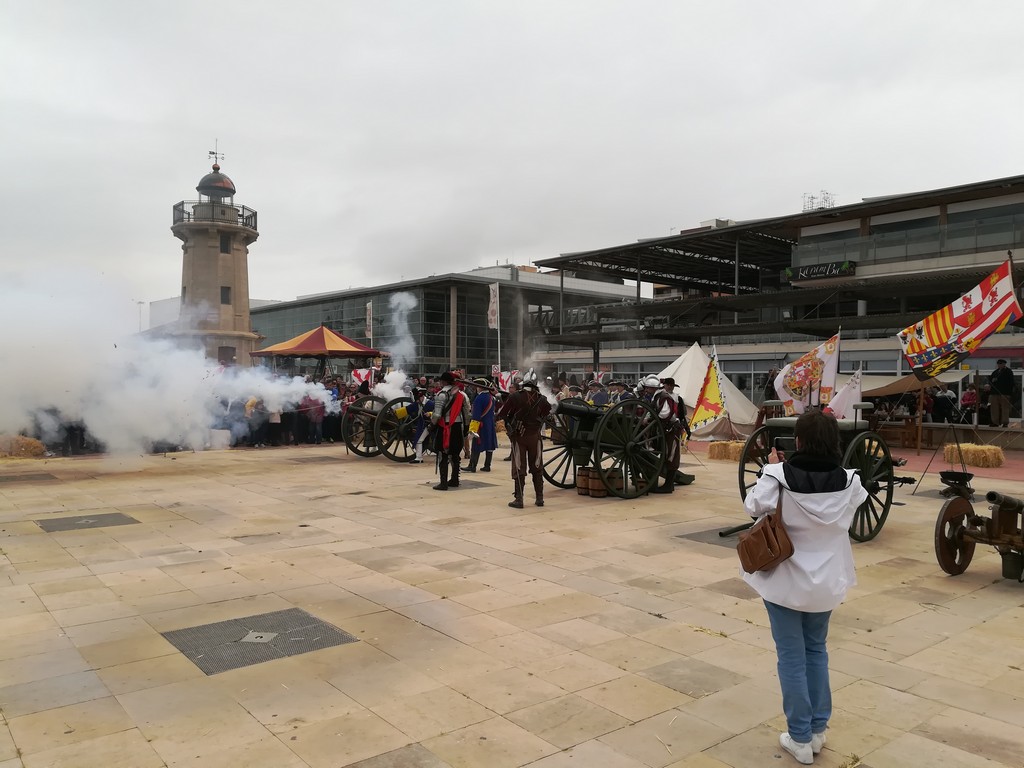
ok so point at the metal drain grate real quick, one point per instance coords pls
(710, 536)
(106, 520)
(28, 477)
(314, 459)
(251, 640)
(471, 485)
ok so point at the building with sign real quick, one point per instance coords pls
(446, 323)
(766, 291)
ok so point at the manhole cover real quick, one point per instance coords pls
(226, 645)
(55, 524)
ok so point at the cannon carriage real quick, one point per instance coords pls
(958, 530)
(373, 426)
(863, 449)
(623, 445)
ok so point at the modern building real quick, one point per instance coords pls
(215, 235)
(438, 322)
(766, 291)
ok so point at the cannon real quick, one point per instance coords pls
(863, 450)
(357, 425)
(958, 530)
(394, 429)
(623, 444)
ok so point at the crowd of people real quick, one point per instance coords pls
(456, 418)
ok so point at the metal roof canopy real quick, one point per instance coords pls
(702, 258)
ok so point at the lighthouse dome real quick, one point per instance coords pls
(216, 185)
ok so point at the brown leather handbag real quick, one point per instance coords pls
(765, 544)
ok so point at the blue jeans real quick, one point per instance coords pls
(803, 669)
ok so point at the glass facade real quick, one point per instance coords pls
(428, 325)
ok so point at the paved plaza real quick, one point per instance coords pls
(386, 625)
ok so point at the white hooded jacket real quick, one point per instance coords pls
(817, 512)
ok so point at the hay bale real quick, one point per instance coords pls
(985, 456)
(21, 447)
(726, 450)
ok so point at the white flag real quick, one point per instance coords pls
(369, 320)
(841, 405)
(811, 380)
(492, 308)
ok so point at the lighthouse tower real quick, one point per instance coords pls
(215, 235)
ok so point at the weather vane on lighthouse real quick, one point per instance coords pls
(217, 156)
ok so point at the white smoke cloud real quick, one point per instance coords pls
(402, 347)
(72, 355)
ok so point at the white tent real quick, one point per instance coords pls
(688, 371)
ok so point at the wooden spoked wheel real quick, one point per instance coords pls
(952, 549)
(559, 461)
(869, 454)
(357, 425)
(394, 430)
(755, 455)
(629, 449)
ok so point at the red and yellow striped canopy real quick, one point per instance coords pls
(320, 342)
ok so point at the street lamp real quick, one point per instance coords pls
(140, 303)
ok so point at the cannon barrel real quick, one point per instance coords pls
(578, 408)
(1006, 502)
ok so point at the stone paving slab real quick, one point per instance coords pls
(599, 632)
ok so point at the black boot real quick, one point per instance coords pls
(453, 481)
(442, 470)
(666, 487)
(508, 458)
(538, 489)
(473, 459)
(517, 502)
(487, 461)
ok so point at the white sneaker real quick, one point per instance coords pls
(818, 741)
(800, 750)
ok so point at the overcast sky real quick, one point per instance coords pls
(381, 139)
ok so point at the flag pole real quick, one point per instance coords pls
(497, 307)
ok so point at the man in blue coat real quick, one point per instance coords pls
(481, 426)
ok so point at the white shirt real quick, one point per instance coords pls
(818, 575)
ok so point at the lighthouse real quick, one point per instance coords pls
(215, 233)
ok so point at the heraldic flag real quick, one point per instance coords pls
(710, 402)
(811, 380)
(942, 340)
(841, 404)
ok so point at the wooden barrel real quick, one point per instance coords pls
(615, 479)
(583, 481)
(597, 489)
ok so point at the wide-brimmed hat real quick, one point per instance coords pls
(669, 381)
(595, 383)
(449, 377)
(529, 384)
(480, 381)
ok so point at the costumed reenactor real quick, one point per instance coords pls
(562, 387)
(668, 404)
(450, 419)
(597, 396)
(524, 414)
(482, 431)
(422, 407)
(615, 388)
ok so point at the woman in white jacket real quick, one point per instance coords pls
(819, 501)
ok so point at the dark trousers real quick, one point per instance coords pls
(527, 456)
(450, 457)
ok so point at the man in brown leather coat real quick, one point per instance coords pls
(524, 414)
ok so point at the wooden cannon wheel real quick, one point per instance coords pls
(755, 455)
(559, 461)
(952, 549)
(394, 430)
(868, 453)
(357, 425)
(629, 449)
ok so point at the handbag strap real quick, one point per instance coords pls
(778, 507)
